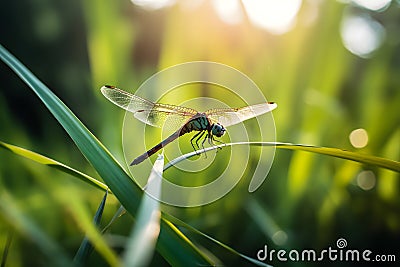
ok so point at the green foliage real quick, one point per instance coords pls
(108, 168)
(323, 91)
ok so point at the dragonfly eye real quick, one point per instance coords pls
(218, 130)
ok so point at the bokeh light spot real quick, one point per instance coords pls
(366, 180)
(280, 238)
(374, 5)
(153, 4)
(277, 17)
(229, 11)
(362, 35)
(359, 138)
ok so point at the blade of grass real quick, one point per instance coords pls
(344, 154)
(121, 211)
(329, 151)
(53, 164)
(122, 186)
(7, 247)
(83, 218)
(262, 219)
(86, 247)
(24, 225)
(177, 221)
(143, 238)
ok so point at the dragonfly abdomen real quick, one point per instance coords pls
(199, 123)
(156, 148)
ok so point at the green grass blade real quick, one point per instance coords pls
(84, 220)
(122, 186)
(183, 254)
(86, 248)
(104, 163)
(121, 211)
(7, 248)
(344, 154)
(52, 163)
(177, 221)
(265, 222)
(329, 151)
(143, 238)
(23, 225)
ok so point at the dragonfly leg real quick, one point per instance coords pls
(204, 140)
(213, 140)
(202, 144)
(197, 137)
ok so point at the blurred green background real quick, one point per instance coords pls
(332, 66)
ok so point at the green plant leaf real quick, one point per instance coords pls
(121, 211)
(344, 154)
(329, 151)
(143, 238)
(82, 217)
(26, 227)
(52, 163)
(128, 193)
(177, 221)
(86, 247)
(7, 248)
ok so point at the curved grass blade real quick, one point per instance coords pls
(177, 221)
(122, 186)
(165, 242)
(329, 151)
(344, 154)
(142, 241)
(86, 247)
(52, 163)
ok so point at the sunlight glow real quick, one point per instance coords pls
(359, 138)
(277, 17)
(366, 180)
(153, 4)
(362, 35)
(374, 5)
(229, 11)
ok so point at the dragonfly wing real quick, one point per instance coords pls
(161, 114)
(154, 114)
(127, 101)
(231, 116)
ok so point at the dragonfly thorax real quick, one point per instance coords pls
(202, 124)
(217, 129)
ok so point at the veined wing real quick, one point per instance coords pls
(154, 114)
(231, 116)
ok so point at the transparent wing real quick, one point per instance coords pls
(231, 116)
(153, 114)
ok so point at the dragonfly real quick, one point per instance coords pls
(208, 124)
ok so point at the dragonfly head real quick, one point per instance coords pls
(217, 129)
